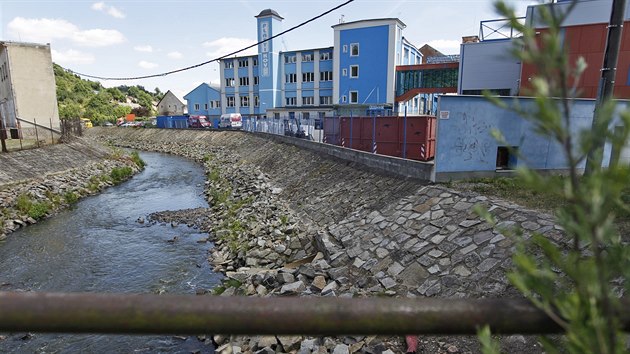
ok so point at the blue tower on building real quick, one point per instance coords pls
(268, 23)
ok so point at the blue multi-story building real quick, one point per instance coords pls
(356, 75)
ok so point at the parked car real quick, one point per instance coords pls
(108, 124)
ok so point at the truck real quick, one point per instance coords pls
(231, 121)
(198, 122)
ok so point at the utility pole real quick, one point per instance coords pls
(607, 81)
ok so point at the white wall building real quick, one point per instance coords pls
(28, 94)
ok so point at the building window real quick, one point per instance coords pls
(354, 96)
(308, 101)
(244, 101)
(229, 82)
(205, 106)
(325, 76)
(196, 106)
(290, 78)
(217, 104)
(230, 101)
(229, 64)
(255, 61)
(354, 49)
(325, 100)
(308, 77)
(243, 63)
(344, 99)
(344, 48)
(307, 57)
(354, 71)
(255, 80)
(290, 101)
(243, 81)
(324, 56)
(289, 59)
(344, 72)
(256, 101)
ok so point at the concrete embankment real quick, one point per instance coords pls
(287, 221)
(36, 183)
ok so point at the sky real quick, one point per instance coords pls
(141, 37)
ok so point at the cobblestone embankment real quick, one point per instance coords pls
(291, 223)
(35, 184)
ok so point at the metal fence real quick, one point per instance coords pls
(27, 134)
(409, 137)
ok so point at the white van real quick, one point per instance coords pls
(231, 121)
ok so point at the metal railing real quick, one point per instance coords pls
(498, 29)
(190, 314)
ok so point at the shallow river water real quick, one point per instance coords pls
(99, 246)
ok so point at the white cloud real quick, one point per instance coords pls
(71, 56)
(143, 48)
(99, 6)
(147, 65)
(227, 45)
(446, 46)
(175, 55)
(46, 30)
(98, 37)
(110, 10)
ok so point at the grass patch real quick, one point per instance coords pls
(119, 174)
(70, 198)
(135, 157)
(39, 210)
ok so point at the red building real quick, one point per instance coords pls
(584, 34)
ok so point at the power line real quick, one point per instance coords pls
(219, 58)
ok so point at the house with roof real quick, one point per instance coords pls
(170, 105)
(204, 100)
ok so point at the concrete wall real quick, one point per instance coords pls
(488, 65)
(465, 147)
(387, 164)
(32, 82)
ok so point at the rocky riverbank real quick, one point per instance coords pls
(287, 222)
(38, 183)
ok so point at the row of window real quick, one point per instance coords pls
(242, 81)
(354, 49)
(4, 73)
(213, 104)
(309, 77)
(290, 101)
(242, 63)
(306, 57)
(308, 100)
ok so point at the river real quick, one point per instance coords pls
(100, 246)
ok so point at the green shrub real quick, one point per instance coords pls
(23, 203)
(70, 198)
(135, 157)
(120, 174)
(38, 210)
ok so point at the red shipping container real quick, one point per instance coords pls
(385, 135)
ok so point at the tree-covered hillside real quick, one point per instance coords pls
(89, 99)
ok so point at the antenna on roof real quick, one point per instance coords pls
(341, 19)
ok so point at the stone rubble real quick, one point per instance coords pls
(309, 229)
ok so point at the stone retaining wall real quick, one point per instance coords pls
(361, 232)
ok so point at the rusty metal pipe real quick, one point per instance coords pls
(188, 314)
